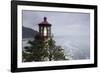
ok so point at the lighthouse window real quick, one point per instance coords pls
(48, 31)
(45, 31)
(41, 30)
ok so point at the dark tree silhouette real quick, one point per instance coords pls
(40, 50)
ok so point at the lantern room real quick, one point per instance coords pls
(45, 28)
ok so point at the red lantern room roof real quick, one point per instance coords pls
(44, 23)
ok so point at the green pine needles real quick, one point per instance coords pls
(42, 50)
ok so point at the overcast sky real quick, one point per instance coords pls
(65, 26)
(62, 23)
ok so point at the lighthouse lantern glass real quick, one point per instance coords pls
(45, 31)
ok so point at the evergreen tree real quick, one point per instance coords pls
(39, 51)
(56, 52)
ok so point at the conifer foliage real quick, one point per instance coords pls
(40, 50)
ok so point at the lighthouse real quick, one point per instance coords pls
(45, 28)
(45, 33)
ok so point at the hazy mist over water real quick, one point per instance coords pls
(77, 48)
